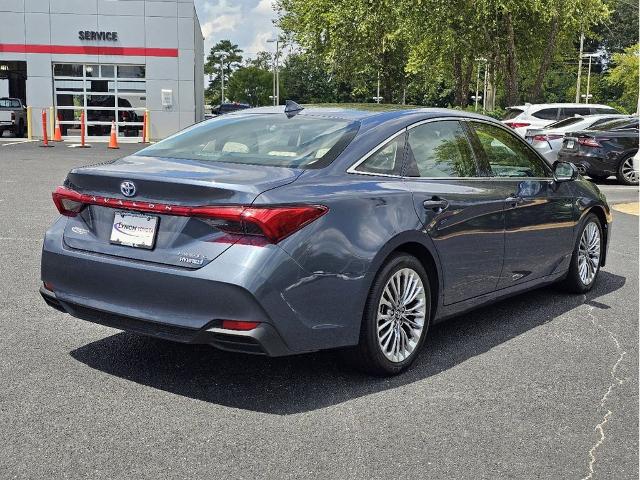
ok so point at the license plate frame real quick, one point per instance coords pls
(136, 230)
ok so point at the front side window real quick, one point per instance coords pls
(439, 149)
(507, 155)
(267, 139)
(546, 114)
(387, 160)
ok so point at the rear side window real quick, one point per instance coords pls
(512, 113)
(546, 114)
(439, 149)
(507, 155)
(387, 160)
(573, 111)
(605, 111)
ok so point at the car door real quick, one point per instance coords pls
(539, 213)
(460, 210)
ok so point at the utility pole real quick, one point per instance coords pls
(222, 56)
(579, 68)
(477, 85)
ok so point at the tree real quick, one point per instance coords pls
(251, 85)
(625, 75)
(263, 60)
(306, 80)
(215, 65)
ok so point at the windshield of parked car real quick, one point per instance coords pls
(260, 139)
(618, 124)
(512, 113)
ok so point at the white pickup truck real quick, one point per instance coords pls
(13, 116)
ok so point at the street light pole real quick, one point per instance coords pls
(588, 79)
(276, 71)
(222, 56)
(579, 68)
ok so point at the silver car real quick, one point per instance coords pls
(548, 141)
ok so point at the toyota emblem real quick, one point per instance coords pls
(128, 188)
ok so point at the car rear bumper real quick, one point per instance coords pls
(262, 340)
(247, 283)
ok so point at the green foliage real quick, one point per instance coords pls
(625, 76)
(218, 63)
(251, 85)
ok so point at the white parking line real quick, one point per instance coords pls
(7, 144)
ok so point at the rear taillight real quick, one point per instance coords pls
(589, 142)
(272, 222)
(546, 138)
(517, 124)
(13, 116)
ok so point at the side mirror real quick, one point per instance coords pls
(564, 172)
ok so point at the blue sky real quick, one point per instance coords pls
(248, 23)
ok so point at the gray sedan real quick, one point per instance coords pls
(282, 231)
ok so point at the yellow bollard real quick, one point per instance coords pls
(52, 122)
(148, 127)
(29, 130)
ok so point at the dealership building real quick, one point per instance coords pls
(104, 60)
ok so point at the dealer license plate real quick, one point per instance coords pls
(134, 230)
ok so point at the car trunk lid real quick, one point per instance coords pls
(163, 193)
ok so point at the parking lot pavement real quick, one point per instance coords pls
(544, 385)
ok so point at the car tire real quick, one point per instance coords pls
(625, 173)
(401, 325)
(20, 132)
(583, 272)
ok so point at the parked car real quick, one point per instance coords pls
(13, 116)
(548, 141)
(523, 117)
(282, 232)
(229, 107)
(605, 150)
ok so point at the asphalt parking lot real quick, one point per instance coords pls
(544, 385)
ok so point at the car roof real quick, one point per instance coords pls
(560, 105)
(372, 113)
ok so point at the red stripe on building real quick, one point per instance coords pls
(88, 50)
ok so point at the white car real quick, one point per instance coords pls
(523, 117)
(548, 141)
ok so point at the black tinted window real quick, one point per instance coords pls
(546, 114)
(387, 160)
(573, 111)
(604, 110)
(508, 156)
(439, 149)
(624, 123)
(512, 113)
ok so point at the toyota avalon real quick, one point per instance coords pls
(286, 230)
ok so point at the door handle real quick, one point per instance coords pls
(514, 200)
(436, 204)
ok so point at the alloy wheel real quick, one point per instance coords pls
(401, 315)
(628, 172)
(589, 253)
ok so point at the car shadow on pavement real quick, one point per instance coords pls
(303, 383)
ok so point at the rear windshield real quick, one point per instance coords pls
(260, 139)
(617, 124)
(512, 113)
(565, 123)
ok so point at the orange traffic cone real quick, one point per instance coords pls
(57, 134)
(113, 140)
